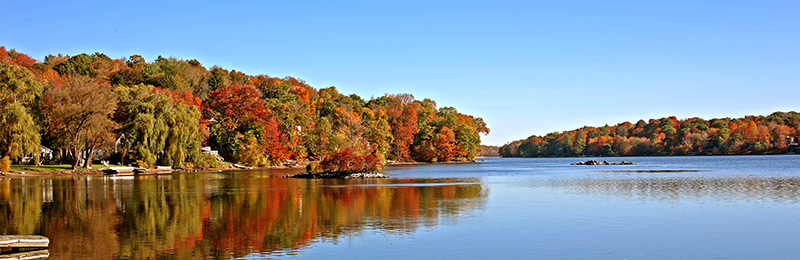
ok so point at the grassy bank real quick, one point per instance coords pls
(48, 168)
(58, 169)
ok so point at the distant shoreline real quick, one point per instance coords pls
(663, 155)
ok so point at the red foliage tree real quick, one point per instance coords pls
(235, 106)
(16, 58)
(347, 161)
(240, 109)
(404, 127)
(445, 147)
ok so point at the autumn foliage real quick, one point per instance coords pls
(169, 108)
(773, 134)
(347, 161)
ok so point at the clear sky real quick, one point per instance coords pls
(525, 67)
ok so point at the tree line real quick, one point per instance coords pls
(162, 112)
(774, 134)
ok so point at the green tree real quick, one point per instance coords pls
(319, 139)
(169, 73)
(606, 150)
(20, 135)
(80, 64)
(218, 78)
(18, 84)
(162, 129)
(377, 131)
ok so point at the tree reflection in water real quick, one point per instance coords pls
(188, 216)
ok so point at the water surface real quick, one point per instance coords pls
(723, 207)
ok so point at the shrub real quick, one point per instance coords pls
(313, 168)
(141, 163)
(346, 161)
(5, 164)
(206, 161)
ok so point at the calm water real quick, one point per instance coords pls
(743, 207)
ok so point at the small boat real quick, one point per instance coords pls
(157, 169)
(243, 167)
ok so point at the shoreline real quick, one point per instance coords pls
(99, 172)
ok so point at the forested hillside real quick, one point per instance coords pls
(163, 112)
(773, 134)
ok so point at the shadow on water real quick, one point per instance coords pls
(223, 215)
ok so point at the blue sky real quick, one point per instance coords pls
(525, 67)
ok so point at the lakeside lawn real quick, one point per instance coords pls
(49, 168)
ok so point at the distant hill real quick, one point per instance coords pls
(773, 134)
(489, 151)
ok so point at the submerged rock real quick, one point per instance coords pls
(335, 175)
(594, 162)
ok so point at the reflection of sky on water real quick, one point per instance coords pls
(742, 207)
(757, 178)
(674, 188)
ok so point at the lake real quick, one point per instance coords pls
(720, 207)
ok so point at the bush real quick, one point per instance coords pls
(346, 161)
(313, 168)
(206, 161)
(140, 163)
(5, 164)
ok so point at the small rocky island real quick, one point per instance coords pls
(339, 175)
(345, 164)
(595, 162)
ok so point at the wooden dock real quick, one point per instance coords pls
(121, 171)
(24, 247)
(25, 255)
(24, 242)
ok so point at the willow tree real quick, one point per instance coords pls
(79, 112)
(19, 134)
(161, 128)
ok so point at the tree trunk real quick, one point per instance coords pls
(76, 157)
(88, 162)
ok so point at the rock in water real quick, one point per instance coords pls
(594, 162)
(333, 175)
